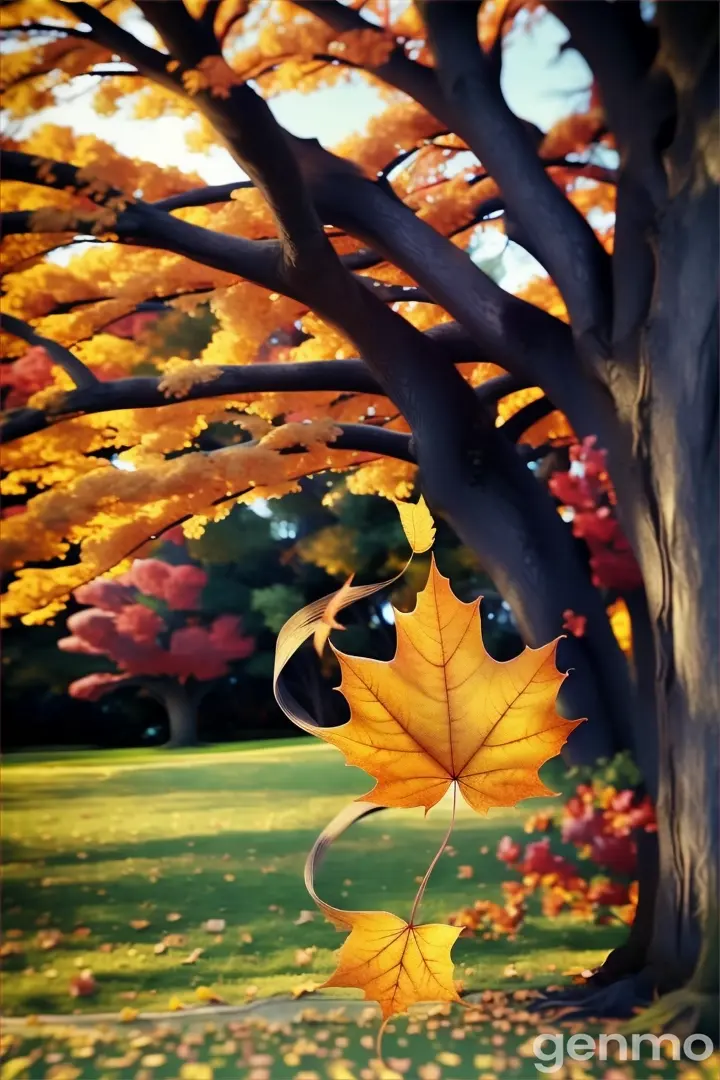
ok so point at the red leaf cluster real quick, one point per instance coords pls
(179, 586)
(599, 821)
(28, 374)
(121, 625)
(586, 490)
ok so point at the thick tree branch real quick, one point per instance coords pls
(149, 62)
(144, 392)
(202, 196)
(516, 426)
(620, 48)
(530, 343)
(565, 241)
(80, 375)
(375, 440)
(416, 80)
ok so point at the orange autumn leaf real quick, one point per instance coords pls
(394, 962)
(418, 524)
(444, 710)
(329, 622)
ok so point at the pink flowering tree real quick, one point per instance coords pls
(150, 623)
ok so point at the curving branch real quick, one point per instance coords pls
(145, 392)
(259, 261)
(414, 79)
(567, 246)
(81, 375)
(148, 61)
(516, 426)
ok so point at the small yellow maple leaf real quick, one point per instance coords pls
(418, 524)
(394, 962)
(444, 710)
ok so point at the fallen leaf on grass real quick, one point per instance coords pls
(304, 917)
(303, 957)
(48, 939)
(127, 1015)
(465, 873)
(139, 924)
(208, 996)
(193, 957)
(246, 938)
(194, 1070)
(160, 948)
(175, 941)
(175, 1004)
(11, 948)
(174, 916)
(83, 985)
(81, 932)
(214, 926)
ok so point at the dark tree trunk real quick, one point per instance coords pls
(667, 399)
(678, 450)
(182, 711)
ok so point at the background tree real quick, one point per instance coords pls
(371, 251)
(145, 621)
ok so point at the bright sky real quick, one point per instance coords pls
(540, 85)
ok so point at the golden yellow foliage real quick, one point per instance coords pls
(333, 548)
(387, 477)
(111, 512)
(180, 377)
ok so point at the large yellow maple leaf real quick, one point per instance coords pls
(396, 963)
(444, 710)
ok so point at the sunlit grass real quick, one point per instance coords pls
(96, 841)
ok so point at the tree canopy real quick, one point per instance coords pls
(87, 393)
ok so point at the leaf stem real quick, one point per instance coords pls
(423, 884)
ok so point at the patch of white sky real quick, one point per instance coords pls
(542, 83)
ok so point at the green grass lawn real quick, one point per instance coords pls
(96, 842)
